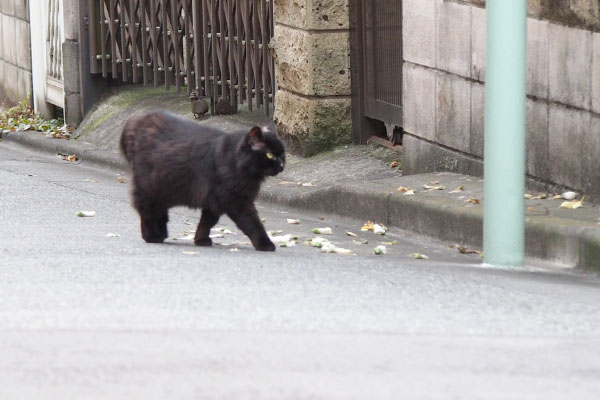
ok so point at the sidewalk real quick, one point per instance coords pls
(353, 181)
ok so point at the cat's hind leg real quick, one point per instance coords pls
(247, 220)
(207, 221)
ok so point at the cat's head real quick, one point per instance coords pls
(268, 151)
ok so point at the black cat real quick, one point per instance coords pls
(177, 162)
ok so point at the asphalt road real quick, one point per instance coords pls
(90, 311)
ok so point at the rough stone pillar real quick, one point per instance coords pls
(311, 47)
(71, 60)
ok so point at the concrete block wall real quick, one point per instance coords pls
(15, 51)
(444, 90)
(311, 50)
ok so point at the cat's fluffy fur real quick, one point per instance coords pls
(178, 162)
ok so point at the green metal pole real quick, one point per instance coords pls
(504, 156)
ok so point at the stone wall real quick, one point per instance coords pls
(311, 49)
(15, 51)
(444, 90)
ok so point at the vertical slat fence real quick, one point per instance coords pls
(215, 48)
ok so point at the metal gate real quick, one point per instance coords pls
(214, 48)
(377, 63)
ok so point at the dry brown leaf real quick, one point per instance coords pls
(368, 226)
(466, 250)
(572, 205)
(458, 189)
(351, 234)
(394, 164)
(473, 201)
(433, 187)
(121, 179)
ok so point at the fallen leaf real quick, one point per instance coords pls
(361, 241)
(310, 184)
(86, 213)
(121, 179)
(538, 197)
(569, 195)
(317, 242)
(431, 188)
(327, 247)
(189, 253)
(186, 236)
(345, 252)
(466, 250)
(379, 229)
(473, 201)
(380, 250)
(263, 220)
(72, 158)
(90, 180)
(392, 243)
(368, 226)
(284, 240)
(394, 164)
(322, 231)
(293, 221)
(419, 256)
(113, 235)
(224, 230)
(458, 189)
(216, 236)
(274, 232)
(321, 218)
(572, 205)
(351, 234)
(406, 191)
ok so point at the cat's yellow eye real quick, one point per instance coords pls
(270, 156)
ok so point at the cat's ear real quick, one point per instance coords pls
(270, 128)
(255, 139)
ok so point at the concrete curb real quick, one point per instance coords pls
(573, 243)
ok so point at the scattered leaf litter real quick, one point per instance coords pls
(380, 250)
(369, 226)
(419, 256)
(466, 250)
(572, 205)
(406, 191)
(431, 188)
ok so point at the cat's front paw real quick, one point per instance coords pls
(265, 246)
(203, 242)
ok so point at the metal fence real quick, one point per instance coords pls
(216, 48)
